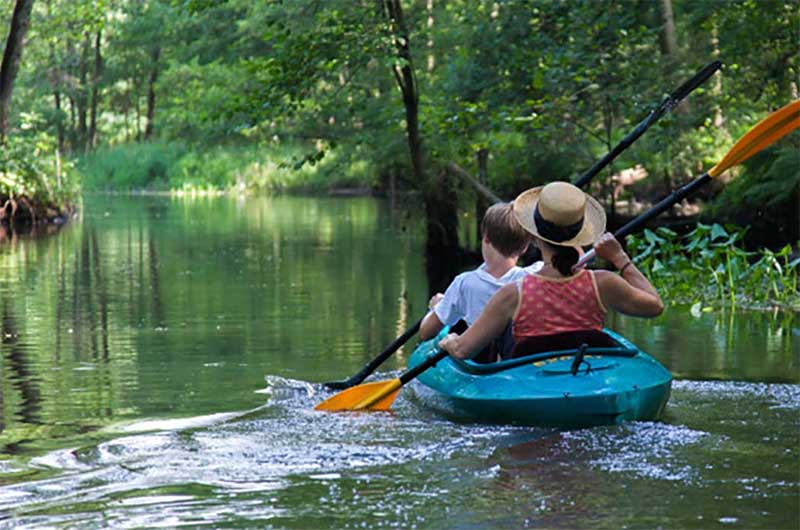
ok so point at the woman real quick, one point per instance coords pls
(556, 308)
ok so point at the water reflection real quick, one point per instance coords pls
(20, 375)
(151, 306)
(723, 344)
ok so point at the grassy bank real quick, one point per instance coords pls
(170, 166)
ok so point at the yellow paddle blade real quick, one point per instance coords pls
(379, 394)
(763, 134)
(384, 403)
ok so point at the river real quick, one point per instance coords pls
(161, 357)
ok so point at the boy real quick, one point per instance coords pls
(503, 242)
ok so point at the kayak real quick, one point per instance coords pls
(567, 388)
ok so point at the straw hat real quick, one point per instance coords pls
(561, 214)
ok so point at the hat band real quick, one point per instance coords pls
(553, 231)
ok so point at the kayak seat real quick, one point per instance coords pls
(562, 341)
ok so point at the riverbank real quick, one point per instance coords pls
(31, 212)
(38, 188)
(180, 168)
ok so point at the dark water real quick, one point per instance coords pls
(159, 365)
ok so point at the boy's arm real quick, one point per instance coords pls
(493, 320)
(430, 327)
(444, 309)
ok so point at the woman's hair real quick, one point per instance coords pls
(563, 257)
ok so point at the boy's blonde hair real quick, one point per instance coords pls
(503, 231)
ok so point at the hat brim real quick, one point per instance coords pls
(594, 219)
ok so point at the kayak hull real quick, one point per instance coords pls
(609, 386)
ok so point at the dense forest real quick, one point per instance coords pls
(209, 95)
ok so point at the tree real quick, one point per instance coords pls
(20, 21)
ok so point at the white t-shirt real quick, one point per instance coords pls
(470, 291)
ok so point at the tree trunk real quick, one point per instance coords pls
(669, 46)
(668, 38)
(138, 108)
(441, 247)
(480, 202)
(56, 79)
(72, 121)
(716, 88)
(151, 94)
(20, 21)
(98, 66)
(82, 98)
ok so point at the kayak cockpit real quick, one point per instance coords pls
(621, 348)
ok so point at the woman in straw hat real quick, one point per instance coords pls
(556, 308)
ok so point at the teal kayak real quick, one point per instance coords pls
(568, 388)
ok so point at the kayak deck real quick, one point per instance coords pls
(608, 386)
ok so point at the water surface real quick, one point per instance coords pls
(160, 360)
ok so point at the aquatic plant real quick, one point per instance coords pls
(708, 266)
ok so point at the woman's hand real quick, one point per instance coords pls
(608, 248)
(450, 343)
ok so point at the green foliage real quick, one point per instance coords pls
(177, 167)
(130, 166)
(707, 267)
(29, 169)
(766, 195)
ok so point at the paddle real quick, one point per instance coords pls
(669, 103)
(377, 361)
(378, 395)
(763, 134)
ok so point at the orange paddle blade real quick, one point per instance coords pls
(763, 134)
(383, 404)
(378, 395)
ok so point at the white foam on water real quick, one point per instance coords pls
(644, 449)
(777, 395)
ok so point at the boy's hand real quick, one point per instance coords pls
(435, 299)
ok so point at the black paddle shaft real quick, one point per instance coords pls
(377, 361)
(411, 373)
(665, 203)
(669, 103)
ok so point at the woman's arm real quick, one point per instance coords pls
(490, 324)
(630, 292)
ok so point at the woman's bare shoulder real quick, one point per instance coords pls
(507, 292)
(604, 276)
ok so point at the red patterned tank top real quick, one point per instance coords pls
(557, 305)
